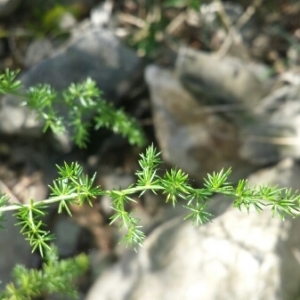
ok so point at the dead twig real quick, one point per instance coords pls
(233, 30)
(132, 20)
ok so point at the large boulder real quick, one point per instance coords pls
(227, 80)
(223, 112)
(266, 114)
(191, 135)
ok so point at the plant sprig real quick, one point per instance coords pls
(73, 187)
(84, 104)
(55, 276)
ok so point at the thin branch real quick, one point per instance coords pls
(233, 35)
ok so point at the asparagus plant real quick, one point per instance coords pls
(73, 187)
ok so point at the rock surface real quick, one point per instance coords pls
(67, 233)
(277, 128)
(13, 248)
(190, 135)
(238, 256)
(209, 115)
(37, 51)
(226, 80)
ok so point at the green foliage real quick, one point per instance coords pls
(83, 100)
(8, 82)
(32, 227)
(54, 277)
(73, 187)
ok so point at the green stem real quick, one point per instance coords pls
(138, 189)
(75, 195)
(46, 201)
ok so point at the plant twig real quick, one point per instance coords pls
(233, 35)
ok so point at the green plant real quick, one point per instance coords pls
(82, 100)
(73, 187)
(54, 277)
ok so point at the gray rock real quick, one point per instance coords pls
(66, 233)
(286, 174)
(265, 117)
(190, 135)
(278, 129)
(226, 80)
(95, 53)
(237, 256)
(99, 262)
(8, 6)
(223, 114)
(38, 50)
(14, 249)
